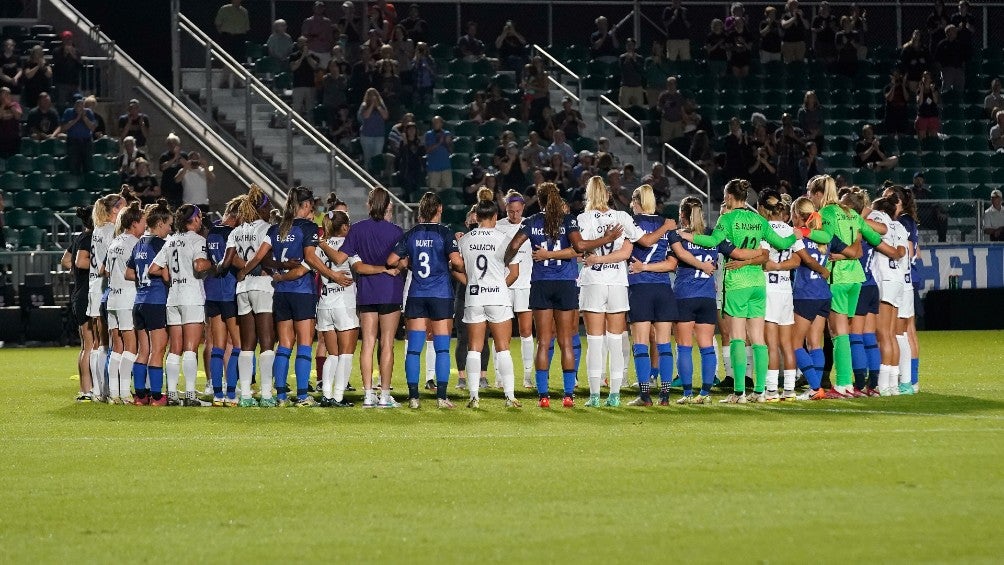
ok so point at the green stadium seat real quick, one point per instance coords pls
(998, 176)
(103, 164)
(54, 147)
(977, 127)
(11, 182)
(573, 52)
(20, 163)
(106, 146)
(908, 160)
(43, 218)
(932, 160)
(57, 200)
(254, 50)
(491, 129)
(459, 67)
(44, 164)
(482, 67)
(504, 81)
(933, 144)
(956, 176)
(863, 178)
(31, 238)
(66, 181)
(459, 178)
(377, 164)
(441, 51)
(17, 218)
(28, 200)
(940, 192)
(960, 192)
(955, 160)
(80, 198)
(908, 143)
(980, 176)
(839, 160)
(29, 147)
(983, 191)
(953, 127)
(454, 97)
(478, 81)
(841, 128)
(455, 82)
(37, 182)
(934, 177)
(282, 81)
(460, 161)
(952, 144)
(447, 112)
(463, 145)
(585, 144)
(466, 128)
(978, 143)
(519, 129)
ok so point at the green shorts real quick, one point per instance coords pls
(845, 298)
(746, 303)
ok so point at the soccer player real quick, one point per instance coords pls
(77, 259)
(889, 274)
(221, 309)
(459, 305)
(510, 224)
(488, 299)
(745, 287)
(780, 317)
(184, 259)
(811, 302)
(130, 226)
(337, 321)
(907, 325)
(106, 210)
(866, 358)
(429, 250)
(150, 310)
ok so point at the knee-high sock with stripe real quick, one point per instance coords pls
(413, 360)
(685, 367)
(643, 368)
(125, 373)
(139, 379)
(709, 369)
(760, 359)
(245, 367)
(328, 375)
(232, 373)
(905, 356)
(280, 371)
(859, 361)
(172, 368)
(473, 366)
(568, 382)
(216, 371)
(594, 362)
(441, 345)
(842, 360)
(818, 362)
(616, 354)
(550, 353)
(873, 358)
(665, 351)
(342, 373)
(302, 369)
(577, 350)
(267, 372)
(114, 360)
(156, 376)
(914, 369)
(737, 351)
(805, 363)
(190, 366)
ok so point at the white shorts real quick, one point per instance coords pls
(254, 301)
(603, 299)
(93, 304)
(906, 309)
(490, 314)
(120, 320)
(891, 292)
(337, 319)
(520, 299)
(780, 309)
(180, 315)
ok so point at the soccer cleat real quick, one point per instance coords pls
(326, 402)
(756, 397)
(284, 403)
(341, 404)
(388, 402)
(527, 383)
(430, 384)
(230, 402)
(818, 394)
(701, 399)
(593, 402)
(413, 403)
(789, 395)
(916, 388)
(84, 398)
(462, 383)
(474, 403)
(834, 394)
(511, 402)
(349, 387)
(162, 401)
(368, 402)
(734, 399)
(640, 402)
(872, 392)
(308, 402)
(208, 390)
(663, 398)
(218, 403)
(144, 401)
(444, 403)
(568, 402)
(247, 403)
(484, 384)
(888, 391)
(172, 399)
(772, 396)
(613, 400)
(684, 400)
(905, 388)
(858, 393)
(544, 402)
(269, 402)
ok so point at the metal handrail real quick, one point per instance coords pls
(550, 58)
(700, 171)
(640, 142)
(557, 83)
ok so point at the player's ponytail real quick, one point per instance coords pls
(597, 195)
(738, 189)
(553, 206)
(429, 206)
(692, 214)
(857, 198)
(157, 214)
(771, 204)
(333, 222)
(233, 207)
(255, 205)
(184, 216)
(378, 202)
(333, 202)
(906, 199)
(86, 216)
(805, 210)
(644, 195)
(827, 187)
(127, 192)
(127, 217)
(486, 208)
(886, 204)
(102, 212)
(294, 199)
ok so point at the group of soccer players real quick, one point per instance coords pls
(155, 284)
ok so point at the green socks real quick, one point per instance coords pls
(737, 349)
(842, 359)
(760, 367)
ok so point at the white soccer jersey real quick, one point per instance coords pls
(178, 255)
(780, 281)
(100, 240)
(483, 251)
(247, 239)
(884, 268)
(524, 256)
(592, 225)
(121, 292)
(334, 295)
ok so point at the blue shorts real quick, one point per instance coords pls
(296, 306)
(652, 302)
(226, 309)
(809, 309)
(554, 295)
(429, 308)
(868, 300)
(700, 310)
(149, 317)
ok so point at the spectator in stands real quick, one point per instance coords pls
(438, 147)
(10, 124)
(497, 106)
(951, 55)
(43, 120)
(936, 24)
(372, 116)
(414, 25)
(410, 163)
(790, 148)
(144, 183)
(78, 124)
(995, 100)
(859, 23)
(505, 139)
(993, 218)
(794, 30)
(389, 83)
(533, 152)
(737, 151)
(770, 36)
(868, 152)
(914, 59)
(513, 168)
(469, 47)
(404, 50)
(701, 153)
(824, 33)
(736, 12)
(195, 175)
(762, 173)
(423, 69)
(375, 21)
(545, 125)
(966, 27)
(511, 47)
(603, 44)
(603, 146)
(810, 165)
(319, 35)
(303, 62)
(569, 120)
(740, 44)
(659, 182)
(351, 28)
(619, 195)
(931, 213)
(928, 121)
(629, 178)
(478, 108)
(848, 48)
(558, 171)
(66, 67)
(671, 112)
(574, 193)
(135, 123)
(585, 162)
(997, 133)
(677, 26)
(279, 45)
(170, 163)
(91, 103)
(10, 66)
(810, 118)
(232, 24)
(536, 89)
(632, 71)
(127, 158)
(716, 47)
(896, 98)
(334, 88)
(657, 70)
(343, 128)
(36, 77)
(559, 147)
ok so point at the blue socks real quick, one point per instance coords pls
(232, 373)
(541, 378)
(304, 361)
(859, 361)
(568, 379)
(709, 369)
(139, 379)
(685, 367)
(550, 354)
(577, 351)
(412, 361)
(874, 357)
(665, 361)
(819, 363)
(156, 380)
(642, 363)
(804, 361)
(915, 370)
(216, 371)
(442, 345)
(280, 371)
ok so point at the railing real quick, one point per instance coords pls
(707, 179)
(957, 220)
(640, 142)
(14, 265)
(538, 50)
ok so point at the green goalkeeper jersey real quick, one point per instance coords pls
(845, 225)
(745, 229)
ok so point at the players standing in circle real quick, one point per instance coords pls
(811, 302)
(77, 259)
(106, 210)
(150, 310)
(488, 299)
(183, 259)
(889, 274)
(337, 321)
(430, 251)
(221, 309)
(509, 225)
(907, 325)
(121, 297)
(866, 358)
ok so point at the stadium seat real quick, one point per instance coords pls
(455, 82)
(585, 144)
(454, 97)
(28, 200)
(955, 160)
(980, 176)
(459, 67)
(18, 219)
(38, 182)
(19, 163)
(32, 238)
(491, 129)
(463, 145)
(978, 160)
(960, 192)
(254, 50)
(839, 160)
(80, 198)
(267, 67)
(482, 67)
(45, 164)
(460, 161)
(863, 178)
(54, 147)
(66, 181)
(43, 218)
(956, 176)
(57, 200)
(929, 160)
(106, 146)
(29, 147)
(934, 177)
(983, 191)
(282, 81)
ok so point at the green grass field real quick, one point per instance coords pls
(906, 479)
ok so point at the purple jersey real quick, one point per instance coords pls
(808, 284)
(373, 242)
(655, 254)
(148, 290)
(428, 248)
(551, 269)
(219, 288)
(295, 245)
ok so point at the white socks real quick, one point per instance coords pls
(626, 352)
(725, 354)
(99, 387)
(245, 368)
(614, 347)
(905, 368)
(885, 372)
(125, 374)
(527, 353)
(594, 362)
(504, 367)
(328, 375)
(190, 366)
(473, 367)
(172, 369)
(772, 375)
(114, 360)
(342, 372)
(789, 379)
(430, 361)
(267, 358)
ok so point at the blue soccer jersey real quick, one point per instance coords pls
(219, 288)
(655, 254)
(691, 282)
(808, 284)
(428, 248)
(914, 236)
(300, 240)
(867, 251)
(149, 290)
(551, 269)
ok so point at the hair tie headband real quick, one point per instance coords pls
(265, 201)
(195, 213)
(330, 214)
(515, 198)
